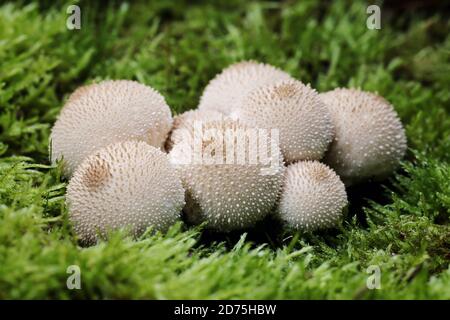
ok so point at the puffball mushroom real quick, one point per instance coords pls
(80, 91)
(125, 185)
(313, 196)
(303, 120)
(370, 139)
(226, 91)
(223, 189)
(97, 115)
(186, 121)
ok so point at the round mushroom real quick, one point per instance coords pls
(186, 121)
(369, 136)
(97, 115)
(313, 197)
(80, 91)
(229, 182)
(226, 91)
(125, 185)
(303, 121)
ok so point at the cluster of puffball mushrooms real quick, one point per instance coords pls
(126, 156)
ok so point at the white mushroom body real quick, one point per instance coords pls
(222, 190)
(369, 136)
(226, 91)
(295, 110)
(186, 121)
(97, 115)
(313, 197)
(125, 185)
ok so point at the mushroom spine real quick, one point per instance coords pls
(293, 108)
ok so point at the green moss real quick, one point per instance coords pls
(401, 225)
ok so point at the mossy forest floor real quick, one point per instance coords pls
(401, 225)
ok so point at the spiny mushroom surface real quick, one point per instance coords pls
(369, 137)
(187, 120)
(125, 185)
(80, 91)
(313, 196)
(226, 91)
(303, 120)
(230, 184)
(97, 115)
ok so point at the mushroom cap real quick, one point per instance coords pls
(227, 193)
(313, 196)
(97, 115)
(186, 120)
(226, 91)
(303, 120)
(80, 91)
(125, 185)
(369, 136)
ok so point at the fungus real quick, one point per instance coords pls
(313, 196)
(125, 185)
(369, 136)
(303, 121)
(80, 91)
(226, 91)
(230, 185)
(97, 115)
(186, 120)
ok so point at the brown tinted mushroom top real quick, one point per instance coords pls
(186, 121)
(223, 189)
(295, 110)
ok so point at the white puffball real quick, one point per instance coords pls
(125, 185)
(295, 110)
(225, 92)
(227, 195)
(313, 196)
(369, 137)
(97, 115)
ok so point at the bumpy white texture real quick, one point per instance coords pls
(369, 136)
(313, 196)
(185, 122)
(80, 91)
(97, 115)
(125, 185)
(228, 196)
(226, 91)
(295, 110)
